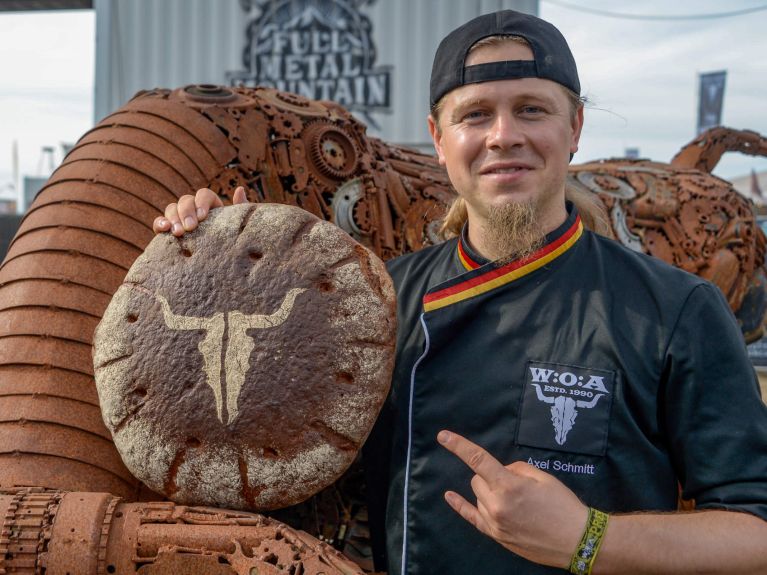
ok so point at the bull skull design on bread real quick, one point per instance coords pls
(238, 349)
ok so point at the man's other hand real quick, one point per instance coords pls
(185, 216)
(524, 509)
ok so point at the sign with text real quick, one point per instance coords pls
(320, 49)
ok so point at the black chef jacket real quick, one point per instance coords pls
(622, 376)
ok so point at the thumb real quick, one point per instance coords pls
(239, 196)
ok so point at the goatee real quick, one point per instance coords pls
(513, 232)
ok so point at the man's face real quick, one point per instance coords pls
(508, 140)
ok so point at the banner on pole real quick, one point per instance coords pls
(710, 99)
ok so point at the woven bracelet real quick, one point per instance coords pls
(586, 552)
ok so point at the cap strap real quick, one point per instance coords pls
(507, 70)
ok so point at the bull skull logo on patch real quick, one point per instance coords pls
(566, 393)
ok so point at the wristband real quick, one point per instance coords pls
(586, 552)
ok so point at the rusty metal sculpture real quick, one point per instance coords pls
(96, 533)
(705, 151)
(93, 217)
(689, 218)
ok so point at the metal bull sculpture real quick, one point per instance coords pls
(687, 217)
(93, 218)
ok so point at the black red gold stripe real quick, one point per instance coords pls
(465, 258)
(499, 276)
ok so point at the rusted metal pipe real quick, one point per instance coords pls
(60, 533)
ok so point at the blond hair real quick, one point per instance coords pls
(589, 206)
(455, 218)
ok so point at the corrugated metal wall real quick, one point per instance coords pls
(407, 33)
(142, 44)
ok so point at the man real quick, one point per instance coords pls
(597, 381)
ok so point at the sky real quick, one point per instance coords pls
(640, 76)
(46, 85)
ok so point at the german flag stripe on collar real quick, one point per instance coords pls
(465, 258)
(496, 277)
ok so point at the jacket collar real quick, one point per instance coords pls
(484, 276)
(470, 259)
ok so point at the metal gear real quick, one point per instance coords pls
(332, 151)
(287, 124)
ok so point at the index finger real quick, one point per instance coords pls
(478, 460)
(205, 200)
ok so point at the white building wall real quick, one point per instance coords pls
(143, 44)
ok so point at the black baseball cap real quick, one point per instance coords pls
(552, 59)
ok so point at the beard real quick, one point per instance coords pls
(513, 232)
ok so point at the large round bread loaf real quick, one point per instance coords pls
(244, 364)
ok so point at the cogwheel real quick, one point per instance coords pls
(345, 205)
(332, 151)
(287, 124)
(268, 108)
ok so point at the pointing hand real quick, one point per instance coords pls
(528, 511)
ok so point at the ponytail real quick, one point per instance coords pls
(455, 219)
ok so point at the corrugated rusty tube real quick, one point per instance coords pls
(72, 250)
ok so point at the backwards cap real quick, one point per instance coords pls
(552, 59)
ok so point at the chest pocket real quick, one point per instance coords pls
(566, 408)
